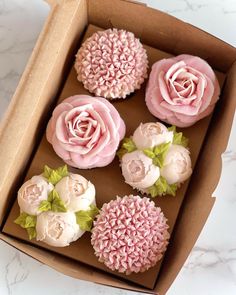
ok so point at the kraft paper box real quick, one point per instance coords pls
(42, 82)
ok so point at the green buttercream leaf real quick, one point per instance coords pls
(31, 232)
(28, 222)
(161, 185)
(179, 138)
(25, 220)
(55, 175)
(158, 162)
(162, 148)
(47, 171)
(53, 203)
(62, 171)
(160, 152)
(127, 146)
(153, 191)
(171, 189)
(20, 220)
(121, 152)
(172, 128)
(51, 196)
(161, 188)
(45, 206)
(149, 153)
(57, 205)
(84, 218)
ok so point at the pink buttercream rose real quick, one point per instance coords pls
(85, 131)
(182, 90)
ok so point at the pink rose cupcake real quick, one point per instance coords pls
(112, 63)
(182, 90)
(85, 131)
(130, 234)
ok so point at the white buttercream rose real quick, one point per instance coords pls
(32, 192)
(76, 192)
(57, 229)
(151, 134)
(138, 170)
(177, 165)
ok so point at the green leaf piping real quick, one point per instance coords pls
(162, 188)
(179, 138)
(31, 232)
(55, 175)
(85, 218)
(53, 203)
(158, 153)
(27, 222)
(127, 146)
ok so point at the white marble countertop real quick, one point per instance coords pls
(211, 266)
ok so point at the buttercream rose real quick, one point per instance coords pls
(177, 165)
(76, 192)
(57, 229)
(182, 90)
(32, 192)
(139, 170)
(151, 134)
(85, 131)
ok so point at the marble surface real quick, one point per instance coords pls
(211, 266)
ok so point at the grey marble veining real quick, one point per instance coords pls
(211, 266)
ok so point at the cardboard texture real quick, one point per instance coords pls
(68, 19)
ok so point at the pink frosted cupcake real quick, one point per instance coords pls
(182, 90)
(130, 234)
(112, 63)
(85, 131)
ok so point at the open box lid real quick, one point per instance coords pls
(42, 79)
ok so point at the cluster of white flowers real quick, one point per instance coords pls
(156, 160)
(56, 222)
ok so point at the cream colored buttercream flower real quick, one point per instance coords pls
(32, 192)
(57, 229)
(177, 165)
(139, 170)
(76, 192)
(151, 134)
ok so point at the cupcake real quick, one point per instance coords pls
(182, 90)
(155, 160)
(130, 234)
(111, 63)
(85, 131)
(56, 207)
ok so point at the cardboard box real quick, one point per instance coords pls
(42, 80)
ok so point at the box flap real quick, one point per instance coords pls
(35, 93)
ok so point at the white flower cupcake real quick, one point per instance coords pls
(57, 207)
(155, 160)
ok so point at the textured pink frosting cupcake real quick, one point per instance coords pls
(85, 131)
(182, 90)
(130, 234)
(111, 63)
